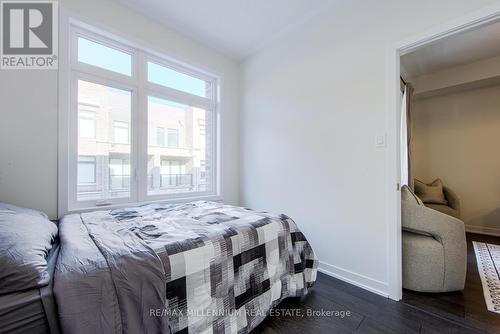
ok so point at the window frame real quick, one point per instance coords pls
(71, 70)
(73, 202)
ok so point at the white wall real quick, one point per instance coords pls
(456, 138)
(28, 114)
(312, 105)
(28, 139)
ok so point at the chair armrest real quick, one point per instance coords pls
(447, 230)
(422, 219)
(452, 198)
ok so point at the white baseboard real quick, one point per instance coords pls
(364, 282)
(483, 230)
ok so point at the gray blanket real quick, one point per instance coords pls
(196, 267)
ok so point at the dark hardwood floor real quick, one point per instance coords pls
(465, 307)
(369, 313)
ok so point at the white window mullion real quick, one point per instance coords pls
(142, 125)
(73, 142)
(135, 146)
(103, 74)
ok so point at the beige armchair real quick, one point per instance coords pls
(434, 247)
(453, 207)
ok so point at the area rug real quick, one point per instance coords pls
(488, 264)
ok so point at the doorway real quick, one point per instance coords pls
(428, 45)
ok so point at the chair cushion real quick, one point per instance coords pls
(430, 193)
(444, 209)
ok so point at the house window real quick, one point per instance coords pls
(203, 170)
(160, 136)
(86, 124)
(151, 120)
(120, 132)
(173, 138)
(119, 173)
(172, 174)
(202, 126)
(86, 170)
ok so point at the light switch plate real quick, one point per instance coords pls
(380, 140)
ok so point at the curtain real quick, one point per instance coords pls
(406, 136)
(409, 127)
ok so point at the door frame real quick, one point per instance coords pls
(474, 20)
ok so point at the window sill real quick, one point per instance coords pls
(213, 198)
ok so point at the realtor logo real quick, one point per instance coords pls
(29, 34)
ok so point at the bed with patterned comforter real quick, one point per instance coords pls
(201, 267)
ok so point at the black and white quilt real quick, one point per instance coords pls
(201, 267)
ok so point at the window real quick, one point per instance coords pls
(120, 132)
(116, 105)
(160, 136)
(202, 127)
(203, 171)
(168, 77)
(173, 138)
(119, 173)
(168, 174)
(142, 127)
(86, 170)
(86, 123)
(105, 57)
(172, 175)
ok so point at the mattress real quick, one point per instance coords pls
(196, 267)
(31, 311)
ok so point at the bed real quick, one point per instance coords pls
(200, 267)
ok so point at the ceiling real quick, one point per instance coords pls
(460, 49)
(236, 28)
